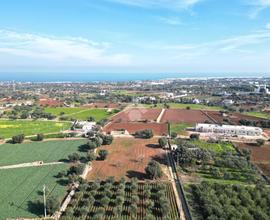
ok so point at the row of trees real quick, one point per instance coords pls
(226, 165)
(145, 134)
(257, 123)
(216, 201)
(114, 199)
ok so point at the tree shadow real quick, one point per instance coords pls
(162, 159)
(83, 148)
(155, 146)
(40, 192)
(137, 174)
(35, 207)
(62, 182)
(63, 160)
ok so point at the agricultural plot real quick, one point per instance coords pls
(259, 155)
(137, 115)
(157, 128)
(10, 128)
(179, 128)
(47, 151)
(184, 116)
(127, 157)
(214, 162)
(80, 113)
(232, 118)
(63, 110)
(217, 201)
(264, 115)
(21, 188)
(123, 201)
(184, 106)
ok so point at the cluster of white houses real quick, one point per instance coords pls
(229, 129)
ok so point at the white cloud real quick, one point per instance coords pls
(240, 44)
(49, 50)
(174, 21)
(267, 26)
(168, 4)
(258, 7)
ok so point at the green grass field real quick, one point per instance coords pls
(263, 115)
(80, 113)
(22, 187)
(179, 128)
(48, 151)
(216, 147)
(10, 128)
(65, 110)
(184, 106)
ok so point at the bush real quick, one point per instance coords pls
(18, 139)
(163, 142)
(78, 170)
(91, 156)
(103, 154)
(40, 137)
(91, 145)
(194, 136)
(260, 142)
(107, 140)
(52, 205)
(173, 135)
(145, 134)
(153, 170)
(74, 157)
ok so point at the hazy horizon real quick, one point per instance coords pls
(90, 77)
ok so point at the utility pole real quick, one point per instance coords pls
(44, 200)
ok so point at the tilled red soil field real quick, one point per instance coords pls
(127, 157)
(132, 127)
(259, 155)
(218, 117)
(137, 114)
(184, 116)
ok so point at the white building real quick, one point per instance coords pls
(227, 102)
(196, 101)
(261, 89)
(103, 93)
(84, 126)
(229, 129)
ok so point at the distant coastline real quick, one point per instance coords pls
(118, 77)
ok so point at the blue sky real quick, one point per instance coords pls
(176, 36)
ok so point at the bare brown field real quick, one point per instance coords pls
(218, 117)
(157, 128)
(127, 157)
(137, 115)
(184, 116)
(259, 155)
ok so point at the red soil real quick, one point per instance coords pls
(127, 157)
(50, 103)
(259, 155)
(232, 117)
(132, 127)
(184, 116)
(137, 114)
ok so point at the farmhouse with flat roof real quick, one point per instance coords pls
(229, 129)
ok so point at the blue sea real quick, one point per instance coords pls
(91, 77)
